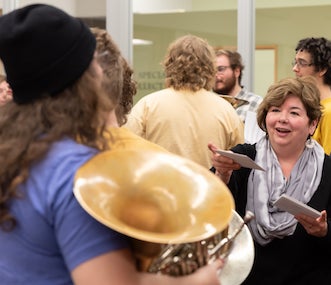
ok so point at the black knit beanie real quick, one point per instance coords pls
(44, 50)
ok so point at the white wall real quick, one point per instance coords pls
(79, 8)
(157, 6)
(276, 24)
(67, 5)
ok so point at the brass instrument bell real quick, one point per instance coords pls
(153, 196)
(234, 101)
(160, 200)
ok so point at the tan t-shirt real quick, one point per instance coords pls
(323, 131)
(184, 122)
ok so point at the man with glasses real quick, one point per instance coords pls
(313, 57)
(228, 85)
(228, 82)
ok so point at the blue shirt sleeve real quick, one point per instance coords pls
(78, 235)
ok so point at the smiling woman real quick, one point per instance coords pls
(294, 165)
(287, 124)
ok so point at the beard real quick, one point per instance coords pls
(228, 85)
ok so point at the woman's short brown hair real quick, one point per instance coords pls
(304, 88)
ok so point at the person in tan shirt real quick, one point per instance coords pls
(186, 115)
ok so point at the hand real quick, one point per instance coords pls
(223, 165)
(119, 267)
(318, 227)
(208, 274)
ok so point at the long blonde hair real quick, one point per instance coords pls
(27, 131)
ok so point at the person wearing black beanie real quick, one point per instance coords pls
(55, 123)
(53, 57)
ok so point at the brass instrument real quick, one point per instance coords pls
(174, 210)
(235, 102)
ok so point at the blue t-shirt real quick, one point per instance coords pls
(54, 234)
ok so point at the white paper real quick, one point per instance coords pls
(241, 159)
(294, 207)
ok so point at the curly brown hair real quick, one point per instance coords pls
(128, 91)
(320, 51)
(28, 130)
(118, 80)
(304, 88)
(190, 63)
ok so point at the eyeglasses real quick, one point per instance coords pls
(301, 63)
(221, 69)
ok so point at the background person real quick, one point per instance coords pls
(114, 65)
(228, 81)
(313, 57)
(55, 123)
(288, 250)
(186, 115)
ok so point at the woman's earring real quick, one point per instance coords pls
(309, 142)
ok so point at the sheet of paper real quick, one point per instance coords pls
(294, 207)
(241, 159)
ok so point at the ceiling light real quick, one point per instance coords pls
(141, 42)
